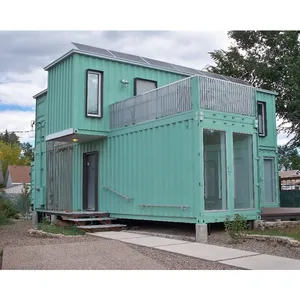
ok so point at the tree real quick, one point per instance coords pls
(9, 137)
(268, 60)
(27, 151)
(288, 158)
(9, 155)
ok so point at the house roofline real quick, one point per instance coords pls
(80, 52)
(87, 53)
(40, 94)
(267, 92)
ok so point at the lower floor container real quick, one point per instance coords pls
(178, 169)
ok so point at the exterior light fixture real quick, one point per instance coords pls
(124, 81)
(75, 140)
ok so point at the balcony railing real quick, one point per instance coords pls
(215, 94)
(228, 97)
(165, 101)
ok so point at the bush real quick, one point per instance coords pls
(9, 209)
(236, 228)
(3, 218)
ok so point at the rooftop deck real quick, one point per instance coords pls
(182, 96)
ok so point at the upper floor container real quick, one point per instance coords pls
(88, 87)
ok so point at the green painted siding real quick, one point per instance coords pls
(158, 163)
(113, 89)
(39, 168)
(147, 164)
(60, 101)
(263, 153)
(41, 106)
(268, 149)
(269, 141)
(32, 184)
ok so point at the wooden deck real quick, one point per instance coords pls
(283, 213)
(73, 213)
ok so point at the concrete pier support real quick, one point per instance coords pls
(34, 218)
(201, 233)
(256, 224)
(53, 218)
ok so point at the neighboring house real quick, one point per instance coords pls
(17, 176)
(145, 139)
(13, 190)
(290, 180)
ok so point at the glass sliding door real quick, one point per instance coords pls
(269, 180)
(215, 170)
(243, 171)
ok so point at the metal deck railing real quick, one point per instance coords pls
(164, 101)
(228, 97)
(215, 94)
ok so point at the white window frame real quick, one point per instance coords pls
(264, 120)
(100, 93)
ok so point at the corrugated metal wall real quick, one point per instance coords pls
(113, 89)
(270, 140)
(32, 183)
(156, 166)
(60, 104)
(59, 177)
(40, 152)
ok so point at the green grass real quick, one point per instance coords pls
(287, 232)
(51, 228)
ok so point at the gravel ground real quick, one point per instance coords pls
(88, 252)
(218, 237)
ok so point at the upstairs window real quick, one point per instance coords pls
(143, 85)
(262, 118)
(94, 93)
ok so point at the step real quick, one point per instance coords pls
(89, 219)
(105, 227)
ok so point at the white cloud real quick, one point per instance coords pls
(17, 121)
(282, 137)
(18, 89)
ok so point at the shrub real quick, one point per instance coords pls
(9, 209)
(46, 221)
(236, 228)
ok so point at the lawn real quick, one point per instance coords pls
(70, 230)
(293, 232)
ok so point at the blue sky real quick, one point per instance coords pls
(24, 54)
(15, 107)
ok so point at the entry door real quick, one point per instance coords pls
(269, 180)
(90, 181)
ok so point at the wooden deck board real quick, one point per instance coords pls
(72, 213)
(280, 212)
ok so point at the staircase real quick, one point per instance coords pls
(92, 221)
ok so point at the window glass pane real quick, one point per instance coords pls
(93, 101)
(143, 86)
(261, 118)
(215, 176)
(269, 179)
(243, 171)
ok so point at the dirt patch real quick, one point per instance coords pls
(17, 235)
(1, 258)
(88, 252)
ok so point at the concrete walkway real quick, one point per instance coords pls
(232, 257)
